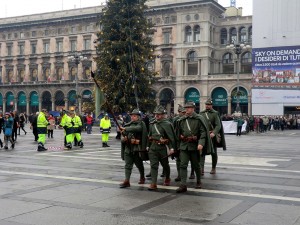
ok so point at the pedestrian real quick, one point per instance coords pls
(51, 126)
(161, 145)
(134, 142)
(22, 119)
(66, 124)
(16, 119)
(216, 134)
(42, 124)
(77, 127)
(8, 130)
(194, 142)
(240, 123)
(89, 123)
(1, 127)
(105, 127)
(33, 126)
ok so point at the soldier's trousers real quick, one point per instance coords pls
(214, 159)
(194, 158)
(130, 159)
(156, 157)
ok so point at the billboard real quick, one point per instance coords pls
(276, 67)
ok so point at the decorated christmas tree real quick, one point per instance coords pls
(124, 51)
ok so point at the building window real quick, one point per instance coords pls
(73, 30)
(233, 37)
(250, 34)
(228, 66)
(33, 33)
(196, 33)
(21, 49)
(9, 36)
(33, 48)
(59, 46)
(46, 47)
(73, 46)
(167, 20)
(9, 50)
(188, 34)
(243, 35)
(192, 63)
(246, 63)
(86, 44)
(166, 69)
(46, 32)
(223, 36)
(59, 30)
(21, 35)
(166, 37)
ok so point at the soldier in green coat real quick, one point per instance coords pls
(162, 143)
(194, 141)
(215, 129)
(134, 140)
(181, 113)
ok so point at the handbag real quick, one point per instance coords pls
(8, 131)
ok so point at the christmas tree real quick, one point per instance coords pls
(124, 50)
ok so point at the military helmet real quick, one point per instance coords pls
(159, 110)
(190, 104)
(208, 102)
(181, 108)
(135, 112)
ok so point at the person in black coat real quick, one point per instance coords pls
(33, 126)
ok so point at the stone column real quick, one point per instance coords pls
(249, 106)
(66, 104)
(229, 105)
(40, 104)
(27, 106)
(4, 105)
(16, 104)
(53, 103)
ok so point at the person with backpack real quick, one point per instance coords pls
(8, 130)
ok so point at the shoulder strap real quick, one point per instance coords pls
(212, 127)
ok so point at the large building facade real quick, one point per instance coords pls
(192, 60)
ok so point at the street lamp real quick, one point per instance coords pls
(77, 58)
(238, 48)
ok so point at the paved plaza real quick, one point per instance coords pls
(257, 182)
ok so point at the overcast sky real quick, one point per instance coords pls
(10, 8)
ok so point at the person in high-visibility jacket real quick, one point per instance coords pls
(42, 124)
(105, 127)
(77, 126)
(66, 123)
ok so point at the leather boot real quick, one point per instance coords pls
(213, 171)
(125, 184)
(152, 187)
(167, 182)
(177, 179)
(103, 145)
(142, 180)
(198, 185)
(148, 175)
(181, 189)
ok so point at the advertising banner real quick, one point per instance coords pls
(276, 67)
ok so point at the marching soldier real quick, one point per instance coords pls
(216, 134)
(133, 147)
(66, 124)
(77, 126)
(193, 134)
(42, 124)
(181, 113)
(162, 143)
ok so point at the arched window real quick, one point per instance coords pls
(223, 36)
(188, 34)
(192, 63)
(246, 63)
(243, 35)
(228, 66)
(196, 33)
(233, 37)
